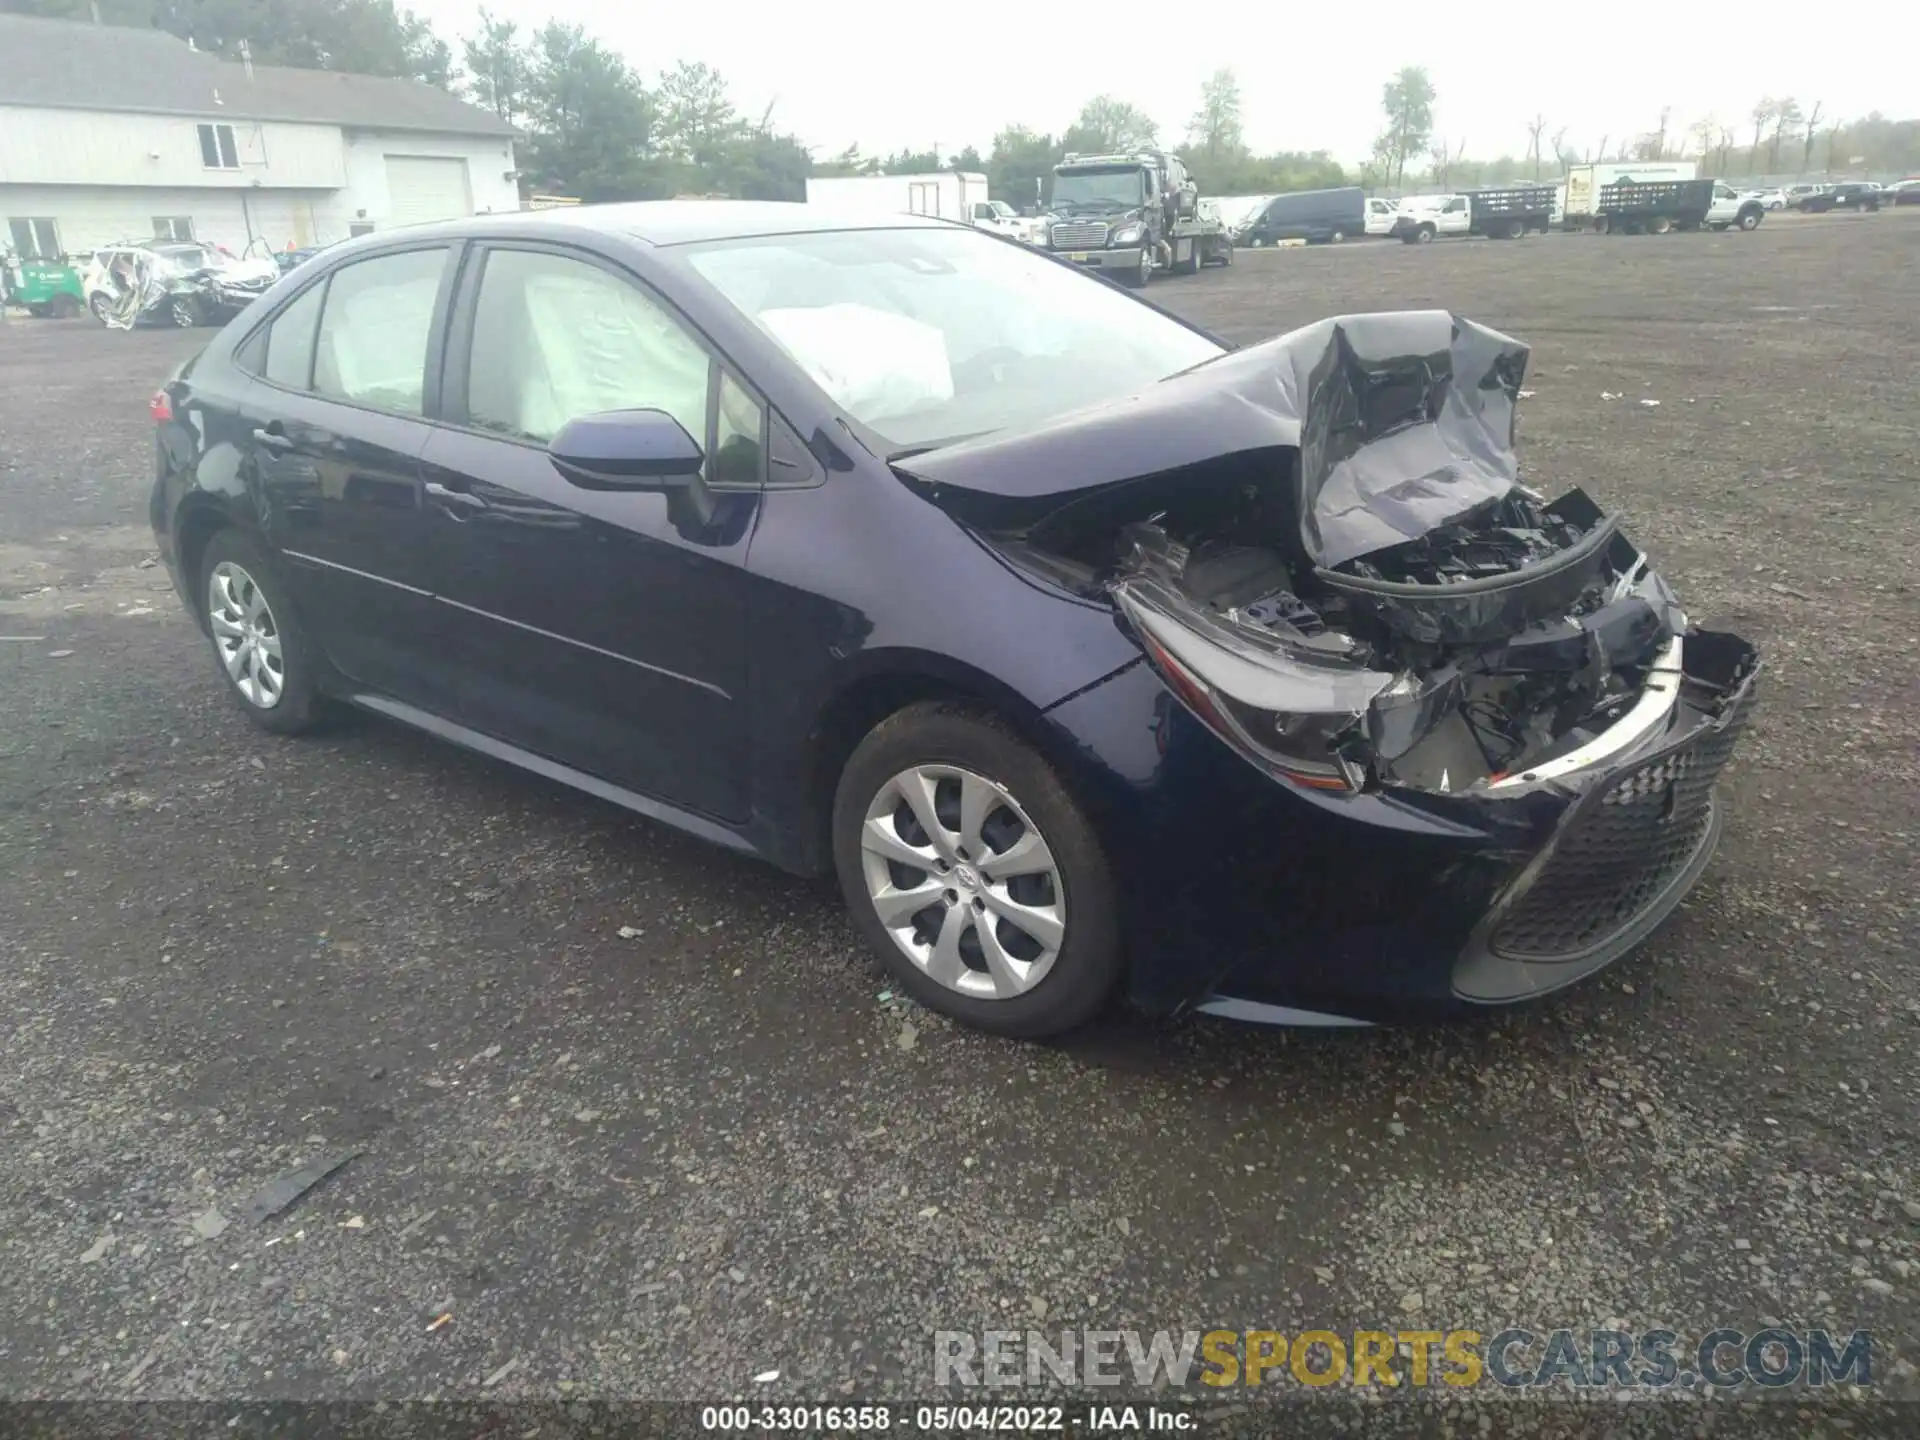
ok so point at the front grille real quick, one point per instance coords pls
(1620, 850)
(1079, 235)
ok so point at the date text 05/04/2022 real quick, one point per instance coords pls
(947, 1419)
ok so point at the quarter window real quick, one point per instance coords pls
(217, 150)
(374, 328)
(289, 358)
(555, 338)
(173, 227)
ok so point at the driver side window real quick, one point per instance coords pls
(556, 338)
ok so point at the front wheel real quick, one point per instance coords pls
(183, 313)
(974, 875)
(64, 306)
(1750, 220)
(1141, 277)
(101, 308)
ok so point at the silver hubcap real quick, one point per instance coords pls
(246, 635)
(963, 881)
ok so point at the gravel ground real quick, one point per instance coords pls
(637, 1115)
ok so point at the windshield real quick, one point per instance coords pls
(929, 336)
(1099, 189)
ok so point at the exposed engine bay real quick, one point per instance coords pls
(1481, 680)
(1336, 566)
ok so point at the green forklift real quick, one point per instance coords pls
(45, 287)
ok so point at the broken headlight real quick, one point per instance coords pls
(1283, 708)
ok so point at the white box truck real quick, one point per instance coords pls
(1578, 200)
(948, 194)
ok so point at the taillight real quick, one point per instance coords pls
(160, 407)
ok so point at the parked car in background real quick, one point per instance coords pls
(1848, 195)
(882, 547)
(172, 282)
(1904, 192)
(1798, 195)
(1773, 199)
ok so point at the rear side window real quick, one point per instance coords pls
(289, 358)
(374, 330)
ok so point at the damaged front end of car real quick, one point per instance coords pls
(1333, 565)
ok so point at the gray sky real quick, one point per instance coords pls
(892, 75)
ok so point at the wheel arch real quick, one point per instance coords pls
(887, 683)
(198, 521)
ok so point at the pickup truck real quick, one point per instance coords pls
(1653, 207)
(1506, 213)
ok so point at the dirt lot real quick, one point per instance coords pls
(659, 1160)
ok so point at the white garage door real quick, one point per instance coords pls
(425, 187)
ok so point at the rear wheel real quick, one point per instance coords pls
(1336, 237)
(1659, 225)
(64, 306)
(263, 655)
(974, 875)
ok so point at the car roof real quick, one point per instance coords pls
(679, 222)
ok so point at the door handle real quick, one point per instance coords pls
(454, 500)
(272, 437)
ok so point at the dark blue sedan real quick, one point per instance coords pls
(1092, 655)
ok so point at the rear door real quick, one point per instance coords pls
(603, 630)
(336, 420)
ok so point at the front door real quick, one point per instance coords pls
(605, 630)
(336, 420)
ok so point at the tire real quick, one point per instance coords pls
(98, 306)
(1749, 220)
(1424, 235)
(64, 306)
(233, 572)
(1659, 225)
(1141, 278)
(961, 750)
(1226, 255)
(1336, 237)
(40, 312)
(183, 314)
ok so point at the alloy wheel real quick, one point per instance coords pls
(246, 635)
(963, 882)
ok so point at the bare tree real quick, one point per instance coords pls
(1601, 153)
(1560, 150)
(1786, 121)
(1534, 127)
(1437, 156)
(1725, 148)
(1813, 129)
(1763, 111)
(1704, 132)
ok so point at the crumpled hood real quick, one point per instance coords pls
(1403, 421)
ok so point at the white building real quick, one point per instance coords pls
(113, 134)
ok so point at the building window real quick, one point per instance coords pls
(34, 239)
(217, 150)
(173, 227)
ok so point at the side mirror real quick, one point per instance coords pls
(626, 450)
